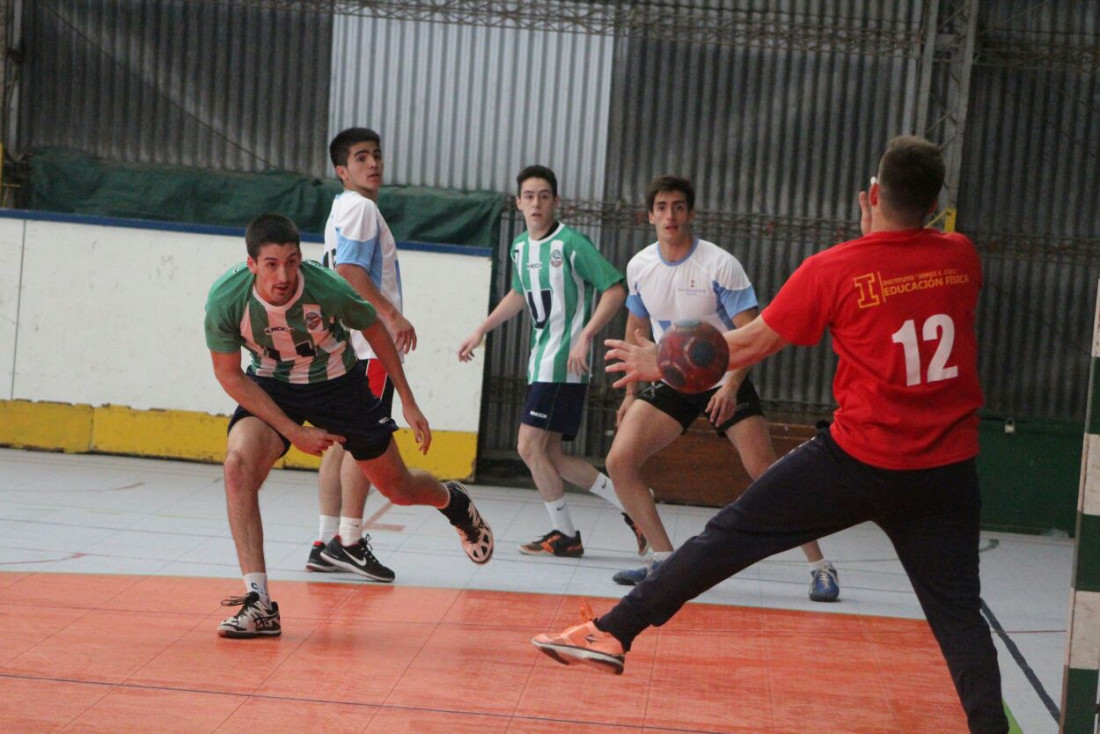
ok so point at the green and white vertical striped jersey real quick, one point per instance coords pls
(302, 342)
(559, 277)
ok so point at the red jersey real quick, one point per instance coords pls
(900, 307)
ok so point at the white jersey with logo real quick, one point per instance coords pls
(357, 234)
(709, 285)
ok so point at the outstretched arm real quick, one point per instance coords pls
(638, 362)
(508, 307)
(611, 300)
(249, 395)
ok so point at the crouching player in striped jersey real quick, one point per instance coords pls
(292, 316)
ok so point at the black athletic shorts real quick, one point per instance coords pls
(686, 407)
(555, 406)
(344, 406)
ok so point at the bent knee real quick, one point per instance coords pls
(531, 451)
(622, 464)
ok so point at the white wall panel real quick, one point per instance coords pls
(11, 257)
(114, 315)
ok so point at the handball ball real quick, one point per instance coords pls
(692, 356)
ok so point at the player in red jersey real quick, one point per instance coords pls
(899, 303)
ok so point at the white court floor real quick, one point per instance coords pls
(119, 515)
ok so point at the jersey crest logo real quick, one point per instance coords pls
(313, 320)
(555, 258)
(870, 290)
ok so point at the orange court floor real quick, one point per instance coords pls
(112, 569)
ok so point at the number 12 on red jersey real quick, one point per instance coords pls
(937, 327)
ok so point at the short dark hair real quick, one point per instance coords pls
(270, 229)
(537, 171)
(910, 176)
(340, 146)
(668, 184)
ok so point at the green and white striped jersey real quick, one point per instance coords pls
(559, 276)
(304, 341)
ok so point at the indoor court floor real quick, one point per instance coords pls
(112, 570)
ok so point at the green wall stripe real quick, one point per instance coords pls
(1079, 701)
(1087, 562)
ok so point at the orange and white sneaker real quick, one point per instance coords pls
(584, 643)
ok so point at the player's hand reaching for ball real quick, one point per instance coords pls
(637, 362)
(313, 441)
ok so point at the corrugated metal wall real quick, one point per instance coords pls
(778, 109)
(1030, 197)
(467, 107)
(150, 81)
(777, 141)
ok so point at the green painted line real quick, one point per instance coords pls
(1086, 572)
(1013, 726)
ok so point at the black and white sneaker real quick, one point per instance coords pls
(254, 620)
(356, 558)
(316, 562)
(476, 535)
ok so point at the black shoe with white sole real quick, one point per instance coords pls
(356, 558)
(316, 562)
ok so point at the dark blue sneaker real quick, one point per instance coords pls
(635, 575)
(825, 584)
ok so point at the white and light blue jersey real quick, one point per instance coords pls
(357, 234)
(709, 285)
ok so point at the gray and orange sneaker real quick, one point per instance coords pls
(584, 643)
(555, 543)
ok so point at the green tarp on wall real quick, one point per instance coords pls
(71, 182)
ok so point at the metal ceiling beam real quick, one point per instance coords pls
(945, 87)
(755, 29)
(653, 20)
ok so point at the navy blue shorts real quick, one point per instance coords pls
(555, 406)
(686, 407)
(344, 406)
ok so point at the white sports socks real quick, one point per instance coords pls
(605, 490)
(351, 530)
(257, 582)
(560, 517)
(328, 528)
